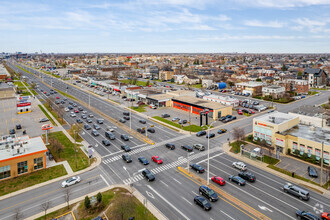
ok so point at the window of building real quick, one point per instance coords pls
(4, 172)
(22, 167)
(38, 163)
(294, 146)
(309, 151)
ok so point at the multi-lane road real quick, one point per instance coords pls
(172, 192)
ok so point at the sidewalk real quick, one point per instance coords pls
(264, 166)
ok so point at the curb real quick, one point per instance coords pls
(158, 214)
(264, 167)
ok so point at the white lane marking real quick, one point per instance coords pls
(177, 181)
(186, 200)
(163, 182)
(227, 215)
(264, 208)
(104, 180)
(169, 203)
(195, 193)
(150, 194)
(257, 197)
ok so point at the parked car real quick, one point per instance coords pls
(12, 131)
(187, 148)
(312, 172)
(199, 147)
(183, 122)
(165, 116)
(247, 176)
(170, 146)
(202, 202)
(222, 131)
(175, 119)
(148, 174)
(43, 120)
(143, 160)
(219, 180)
(237, 179)
(18, 126)
(306, 215)
(325, 216)
(152, 106)
(239, 111)
(126, 148)
(198, 168)
(208, 193)
(296, 191)
(200, 133)
(240, 166)
(71, 181)
(127, 158)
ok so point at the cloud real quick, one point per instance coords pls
(256, 23)
(313, 26)
(281, 3)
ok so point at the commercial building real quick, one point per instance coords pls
(251, 87)
(165, 75)
(283, 131)
(21, 155)
(196, 105)
(225, 100)
(6, 91)
(23, 104)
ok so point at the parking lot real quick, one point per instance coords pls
(28, 121)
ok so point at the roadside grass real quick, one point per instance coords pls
(197, 86)
(22, 88)
(247, 114)
(193, 128)
(54, 114)
(325, 89)
(270, 160)
(117, 203)
(326, 106)
(27, 180)
(156, 121)
(78, 137)
(47, 115)
(67, 95)
(68, 152)
(236, 146)
(138, 83)
(312, 92)
(141, 108)
(23, 69)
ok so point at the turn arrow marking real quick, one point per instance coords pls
(264, 208)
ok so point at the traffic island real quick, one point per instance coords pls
(231, 200)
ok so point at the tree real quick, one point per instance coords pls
(99, 197)
(33, 85)
(115, 74)
(123, 207)
(258, 80)
(56, 146)
(238, 133)
(87, 202)
(67, 197)
(50, 102)
(284, 68)
(148, 83)
(172, 80)
(45, 206)
(61, 113)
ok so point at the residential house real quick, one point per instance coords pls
(251, 87)
(179, 79)
(191, 80)
(274, 91)
(315, 77)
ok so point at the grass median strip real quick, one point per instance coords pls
(54, 114)
(47, 115)
(139, 109)
(67, 95)
(27, 180)
(193, 128)
(67, 152)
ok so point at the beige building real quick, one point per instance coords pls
(21, 155)
(166, 75)
(6, 92)
(283, 131)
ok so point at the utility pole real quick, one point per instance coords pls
(322, 164)
(189, 121)
(75, 147)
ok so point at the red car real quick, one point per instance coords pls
(239, 111)
(57, 97)
(45, 92)
(325, 216)
(218, 180)
(157, 159)
(76, 111)
(253, 112)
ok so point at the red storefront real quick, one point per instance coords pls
(186, 107)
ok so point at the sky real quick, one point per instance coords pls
(165, 26)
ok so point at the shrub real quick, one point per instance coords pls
(99, 197)
(87, 202)
(304, 156)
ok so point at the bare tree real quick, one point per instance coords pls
(33, 85)
(123, 207)
(45, 206)
(61, 113)
(115, 74)
(18, 215)
(56, 146)
(67, 197)
(50, 102)
(238, 133)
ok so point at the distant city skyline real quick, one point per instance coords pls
(166, 26)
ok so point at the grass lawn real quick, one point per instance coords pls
(270, 160)
(23, 69)
(54, 114)
(197, 86)
(138, 83)
(312, 92)
(120, 202)
(68, 152)
(47, 115)
(139, 109)
(194, 128)
(67, 95)
(27, 180)
(236, 146)
(320, 89)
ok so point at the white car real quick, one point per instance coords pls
(71, 181)
(73, 115)
(109, 128)
(66, 109)
(240, 166)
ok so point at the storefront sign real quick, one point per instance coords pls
(279, 142)
(262, 124)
